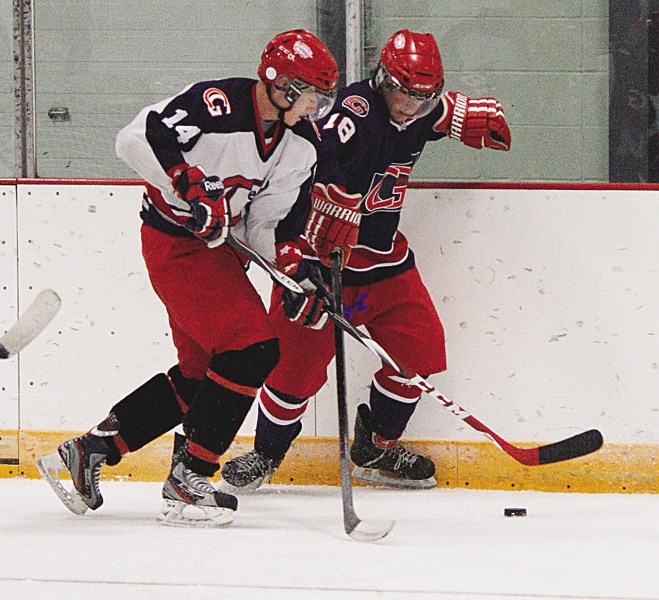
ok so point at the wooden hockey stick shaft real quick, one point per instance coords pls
(352, 524)
(350, 519)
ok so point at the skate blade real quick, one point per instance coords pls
(181, 514)
(383, 478)
(51, 467)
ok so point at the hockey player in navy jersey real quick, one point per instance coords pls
(370, 143)
(231, 155)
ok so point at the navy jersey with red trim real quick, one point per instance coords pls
(216, 125)
(363, 151)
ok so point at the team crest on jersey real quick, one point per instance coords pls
(357, 104)
(387, 190)
(217, 102)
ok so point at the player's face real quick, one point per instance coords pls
(402, 107)
(306, 106)
(310, 105)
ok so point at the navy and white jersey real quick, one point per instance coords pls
(363, 151)
(216, 125)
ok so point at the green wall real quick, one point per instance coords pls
(546, 61)
(106, 60)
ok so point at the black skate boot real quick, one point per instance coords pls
(83, 458)
(248, 472)
(385, 462)
(191, 501)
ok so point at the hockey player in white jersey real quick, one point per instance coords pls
(232, 155)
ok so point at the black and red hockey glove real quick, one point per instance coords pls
(210, 216)
(308, 309)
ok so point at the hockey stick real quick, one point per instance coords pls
(30, 324)
(572, 447)
(275, 274)
(353, 525)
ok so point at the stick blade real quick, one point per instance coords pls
(369, 531)
(31, 323)
(572, 447)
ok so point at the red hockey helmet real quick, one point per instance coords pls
(410, 62)
(307, 66)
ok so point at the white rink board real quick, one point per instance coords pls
(549, 300)
(112, 333)
(9, 311)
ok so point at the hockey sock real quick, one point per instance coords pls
(223, 400)
(392, 404)
(278, 422)
(152, 409)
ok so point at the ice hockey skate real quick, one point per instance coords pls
(387, 464)
(191, 501)
(247, 473)
(82, 458)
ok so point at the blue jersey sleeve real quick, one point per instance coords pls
(180, 124)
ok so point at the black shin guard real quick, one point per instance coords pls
(185, 388)
(154, 408)
(227, 393)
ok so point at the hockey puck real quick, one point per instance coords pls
(514, 512)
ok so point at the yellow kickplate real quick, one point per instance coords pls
(616, 468)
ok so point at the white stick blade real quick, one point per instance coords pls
(32, 322)
(371, 531)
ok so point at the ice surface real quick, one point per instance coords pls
(288, 542)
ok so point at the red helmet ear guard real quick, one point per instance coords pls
(412, 59)
(299, 54)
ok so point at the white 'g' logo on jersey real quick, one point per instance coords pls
(357, 105)
(217, 102)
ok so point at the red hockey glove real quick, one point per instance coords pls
(333, 221)
(210, 216)
(306, 309)
(476, 122)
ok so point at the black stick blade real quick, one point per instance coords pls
(573, 447)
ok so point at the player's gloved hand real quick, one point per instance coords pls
(308, 309)
(476, 122)
(210, 216)
(333, 221)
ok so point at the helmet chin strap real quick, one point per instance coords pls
(282, 111)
